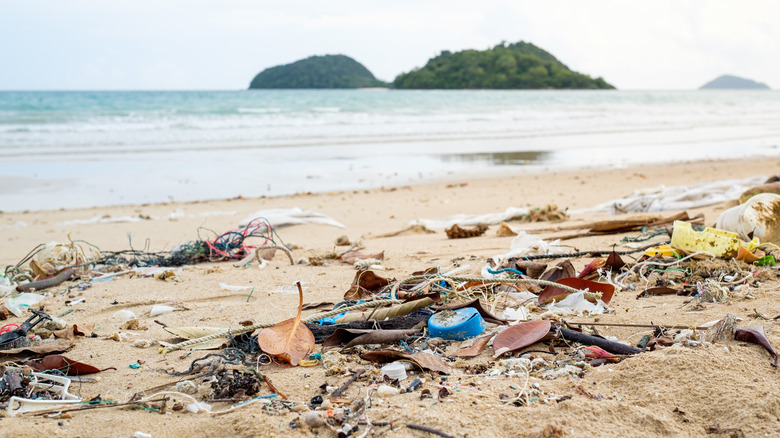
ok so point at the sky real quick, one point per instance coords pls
(223, 44)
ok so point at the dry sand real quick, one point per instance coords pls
(727, 388)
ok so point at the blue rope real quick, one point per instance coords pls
(499, 271)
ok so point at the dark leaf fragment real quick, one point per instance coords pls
(756, 335)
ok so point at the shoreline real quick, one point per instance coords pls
(476, 167)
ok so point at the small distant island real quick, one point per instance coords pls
(728, 82)
(328, 71)
(519, 65)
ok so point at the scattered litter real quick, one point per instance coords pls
(664, 198)
(280, 217)
(471, 220)
(30, 392)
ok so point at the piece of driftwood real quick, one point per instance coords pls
(617, 226)
(606, 345)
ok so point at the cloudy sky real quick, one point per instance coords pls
(222, 44)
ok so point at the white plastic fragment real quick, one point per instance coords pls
(123, 315)
(394, 371)
(577, 304)
(160, 310)
(197, 407)
(387, 391)
(758, 217)
(519, 314)
(232, 288)
(139, 434)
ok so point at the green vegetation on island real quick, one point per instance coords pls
(328, 71)
(728, 82)
(506, 66)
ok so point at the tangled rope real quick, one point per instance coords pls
(433, 278)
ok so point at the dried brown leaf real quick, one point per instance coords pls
(476, 347)
(756, 335)
(520, 336)
(487, 316)
(289, 340)
(366, 283)
(563, 269)
(551, 292)
(614, 262)
(58, 346)
(65, 365)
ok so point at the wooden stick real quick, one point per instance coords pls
(343, 387)
(677, 327)
(609, 346)
(429, 430)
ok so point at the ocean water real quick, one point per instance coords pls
(78, 149)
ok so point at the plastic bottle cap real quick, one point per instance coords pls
(394, 371)
(457, 324)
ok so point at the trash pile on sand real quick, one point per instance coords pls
(526, 315)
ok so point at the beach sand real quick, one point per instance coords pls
(726, 389)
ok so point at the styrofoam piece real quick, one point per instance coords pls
(40, 381)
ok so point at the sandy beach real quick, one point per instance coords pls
(727, 388)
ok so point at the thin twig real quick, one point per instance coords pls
(349, 382)
(429, 430)
(676, 327)
(87, 407)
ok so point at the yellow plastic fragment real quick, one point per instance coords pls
(723, 244)
(660, 250)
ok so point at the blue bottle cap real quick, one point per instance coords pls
(456, 325)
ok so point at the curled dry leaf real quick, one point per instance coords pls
(476, 347)
(592, 267)
(756, 335)
(660, 290)
(366, 283)
(595, 352)
(57, 346)
(530, 268)
(614, 262)
(289, 340)
(520, 336)
(563, 269)
(487, 316)
(67, 366)
(353, 256)
(456, 232)
(551, 292)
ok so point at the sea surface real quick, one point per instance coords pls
(95, 148)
